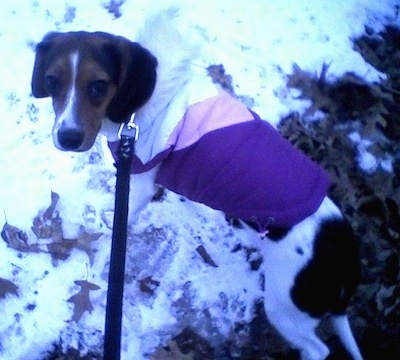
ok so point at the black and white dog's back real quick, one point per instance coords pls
(310, 271)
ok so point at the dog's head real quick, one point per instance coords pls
(91, 76)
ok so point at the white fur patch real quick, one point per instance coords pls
(67, 117)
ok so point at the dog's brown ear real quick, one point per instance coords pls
(137, 78)
(38, 83)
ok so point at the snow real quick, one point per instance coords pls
(368, 162)
(257, 42)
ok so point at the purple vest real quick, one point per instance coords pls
(223, 155)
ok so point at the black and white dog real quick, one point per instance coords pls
(200, 142)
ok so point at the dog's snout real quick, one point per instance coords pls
(70, 139)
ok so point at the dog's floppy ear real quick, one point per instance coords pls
(137, 78)
(38, 83)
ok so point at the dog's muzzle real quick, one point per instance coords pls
(70, 139)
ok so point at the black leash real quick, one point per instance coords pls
(112, 333)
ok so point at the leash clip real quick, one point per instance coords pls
(129, 129)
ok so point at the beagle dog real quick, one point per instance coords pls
(202, 143)
(90, 77)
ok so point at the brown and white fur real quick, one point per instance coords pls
(97, 80)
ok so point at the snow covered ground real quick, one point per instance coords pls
(257, 42)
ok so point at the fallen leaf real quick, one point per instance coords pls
(205, 256)
(81, 300)
(56, 228)
(383, 297)
(17, 239)
(60, 250)
(48, 224)
(7, 287)
(171, 352)
(84, 243)
(48, 214)
(218, 76)
(148, 285)
(41, 229)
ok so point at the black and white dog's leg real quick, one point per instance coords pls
(310, 273)
(299, 330)
(142, 190)
(283, 260)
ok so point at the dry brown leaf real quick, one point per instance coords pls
(206, 256)
(56, 228)
(61, 250)
(7, 287)
(384, 297)
(17, 239)
(84, 243)
(171, 352)
(218, 76)
(148, 285)
(312, 87)
(45, 225)
(81, 300)
(48, 214)
(40, 229)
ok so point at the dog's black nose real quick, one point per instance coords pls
(70, 139)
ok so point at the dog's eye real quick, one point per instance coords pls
(98, 89)
(52, 85)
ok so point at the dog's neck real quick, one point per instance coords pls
(175, 58)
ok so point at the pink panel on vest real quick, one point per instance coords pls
(211, 114)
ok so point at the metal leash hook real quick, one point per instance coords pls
(128, 134)
(129, 129)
